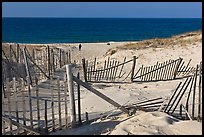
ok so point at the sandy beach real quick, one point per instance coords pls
(187, 46)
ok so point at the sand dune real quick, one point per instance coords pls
(188, 46)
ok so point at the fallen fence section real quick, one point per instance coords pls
(186, 101)
(160, 71)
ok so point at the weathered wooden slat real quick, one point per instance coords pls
(188, 64)
(187, 114)
(182, 70)
(172, 70)
(172, 96)
(70, 57)
(9, 120)
(46, 120)
(154, 72)
(199, 91)
(189, 93)
(115, 73)
(133, 68)
(88, 74)
(3, 113)
(71, 95)
(151, 103)
(53, 61)
(16, 99)
(169, 69)
(100, 95)
(79, 102)
(29, 80)
(23, 96)
(104, 70)
(17, 53)
(180, 110)
(139, 70)
(158, 72)
(91, 73)
(184, 73)
(144, 73)
(14, 54)
(108, 71)
(151, 72)
(177, 95)
(164, 71)
(48, 61)
(177, 66)
(113, 70)
(96, 74)
(59, 103)
(179, 99)
(38, 102)
(94, 67)
(148, 101)
(84, 69)
(107, 67)
(194, 90)
(141, 73)
(65, 96)
(52, 102)
(10, 53)
(99, 75)
(122, 67)
(9, 103)
(30, 104)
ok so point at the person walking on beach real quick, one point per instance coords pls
(80, 47)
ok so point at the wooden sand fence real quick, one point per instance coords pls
(37, 110)
(42, 63)
(185, 70)
(186, 101)
(160, 71)
(34, 110)
(111, 71)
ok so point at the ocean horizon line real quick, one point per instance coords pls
(105, 17)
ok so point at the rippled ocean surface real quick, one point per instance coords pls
(75, 30)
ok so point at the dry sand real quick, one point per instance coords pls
(153, 123)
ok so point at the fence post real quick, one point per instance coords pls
(71, 94)
(38, 102)
(84, 68)
(3, 113)
(59, 103)
(133, 68)
(177, 66)
(65, 99)
(79, 103)
(48, 61)
(199, 91)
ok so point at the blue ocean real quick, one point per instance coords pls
(76, 30)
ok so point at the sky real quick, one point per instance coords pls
(103, 9)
